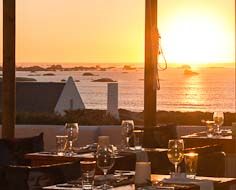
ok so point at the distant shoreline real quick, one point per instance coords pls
(107, 66)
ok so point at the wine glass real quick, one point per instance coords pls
(105, 161)
(127, 127)
(176, 152)
(72, 131)
(218, 118)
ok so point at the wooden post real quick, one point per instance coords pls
(8, 85)
(151, 52)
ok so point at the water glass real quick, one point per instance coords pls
(210, 129)
(191, 160)
(138, 139)
(88, 168)
(61, 143)
(127, 128)
(218, 118)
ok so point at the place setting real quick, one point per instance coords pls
(100, 165)
(214, 127)
(176, 154)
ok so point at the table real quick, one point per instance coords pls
(48, 158)
(219, 184)
(123, 161)
(126, 187)
(228, 144)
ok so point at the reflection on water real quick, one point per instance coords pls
(192, 96)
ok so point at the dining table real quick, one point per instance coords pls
(225, 140)
(219, 183)
(123, 160)
(51, 157)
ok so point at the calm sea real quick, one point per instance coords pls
(213, 89)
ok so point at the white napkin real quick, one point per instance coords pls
(203, 184)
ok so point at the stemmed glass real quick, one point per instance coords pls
(218, 118)
(127, 127)
(105, 161)
(176, 152)
(72, 131)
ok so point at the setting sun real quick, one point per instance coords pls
(198, 36)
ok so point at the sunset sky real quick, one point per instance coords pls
(112, 31)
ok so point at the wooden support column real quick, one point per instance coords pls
(8, 85)
(151, 49)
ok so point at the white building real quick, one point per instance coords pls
(46, 97)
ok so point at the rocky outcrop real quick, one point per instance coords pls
(104, 80)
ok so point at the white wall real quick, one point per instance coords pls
(70, 92)
(87, 135)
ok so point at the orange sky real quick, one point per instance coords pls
(112, 31)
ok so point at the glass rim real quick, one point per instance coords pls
(191, 154)
(88, 162)
(72, 123)
(210, 122)
(175, 140)
(138, 131)
(127, 121)
(61, 136)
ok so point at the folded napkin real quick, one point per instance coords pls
(155, 188)
(114, 180)
(203, 184)
(86, 149)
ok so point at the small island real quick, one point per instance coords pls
(48, 74)
(33, 75)
(127, 67)
(25, 79)
(189, 72)
(88, 74)
(104, 80)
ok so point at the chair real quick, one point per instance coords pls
(158, 137)
(12, 152)
(211, 160)
(31, 178)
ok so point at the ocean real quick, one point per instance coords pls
(213, 89)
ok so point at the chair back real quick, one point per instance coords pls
(30, 178)
(12, 151)
(158, 137)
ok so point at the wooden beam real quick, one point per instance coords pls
(151, 54)
(151, 49)
(8, 85)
